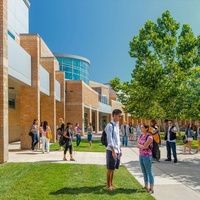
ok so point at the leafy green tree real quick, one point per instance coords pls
(165, 80)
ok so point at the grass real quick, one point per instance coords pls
(27, 181)
(180, 142)
(84, 146)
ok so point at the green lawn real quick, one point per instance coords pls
(84, 146)
(27, 181)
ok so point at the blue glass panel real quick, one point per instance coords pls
(76, 77)
(76, 71)
(68, 76)
(11, 35)
(76, 62)
(67, 61)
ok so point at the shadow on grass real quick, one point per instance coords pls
(96, 190)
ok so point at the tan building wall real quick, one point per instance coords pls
(3, 82)
(45, 51)
(79, 94)
(104, 88)
(14, 121)
(90, 97)
(30, 96)
(60, 105)
(48, 103)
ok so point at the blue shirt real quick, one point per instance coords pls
(113, 138)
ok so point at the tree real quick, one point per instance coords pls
(165, 80)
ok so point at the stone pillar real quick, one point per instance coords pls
(60, 105)
(3, 82)
(97, 121)
(89, 115)
(82, 120)
(30, 96)
(48, 103)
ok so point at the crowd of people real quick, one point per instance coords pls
(64, 135)
(147, 141)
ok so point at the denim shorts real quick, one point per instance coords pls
(112, 163)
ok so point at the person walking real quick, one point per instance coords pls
(77, 131)
(60, 131)
(125, 131)
(45, 141)
(189, 138)
(89, 133)
(145, 144)
(34, 136)
(68, 138)
(113, 149)
(170, 138)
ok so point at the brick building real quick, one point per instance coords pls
(33, 86)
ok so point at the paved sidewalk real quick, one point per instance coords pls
(172, 181)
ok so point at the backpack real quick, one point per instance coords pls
(155, 149)
(49, 134)
(104, 136)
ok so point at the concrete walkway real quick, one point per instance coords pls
(172, 181)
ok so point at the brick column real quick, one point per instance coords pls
(3, 82)
(97, 121)
(60, 105)
(30, 96)
(48, 103)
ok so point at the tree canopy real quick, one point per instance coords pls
(166, 79)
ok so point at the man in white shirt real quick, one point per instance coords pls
(113, 150)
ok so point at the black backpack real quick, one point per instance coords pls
(104, 136)
(155, 149)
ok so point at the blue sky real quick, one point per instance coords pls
(100, 30)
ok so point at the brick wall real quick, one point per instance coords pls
(14, 121)
(60, 105)
(30, 95)
(3, 82)
(48, 103)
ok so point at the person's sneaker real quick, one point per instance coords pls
(168, 159)
(71, 159)
(151, 191)
(175, 160)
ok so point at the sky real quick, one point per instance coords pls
(100, 30)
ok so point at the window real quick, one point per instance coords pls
(11, 103)
(11, 35)
(104, 99)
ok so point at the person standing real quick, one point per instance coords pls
(68, 138)
(170, 137)
(60, 130)
(131, 132)
(156, 136)
(77, 131)
(34, 130)
(145, 144)
(189, 138)
(198, 138)
(45, 140)
(113, 149)
(138, 131)
(125, 131)
(89, 133)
